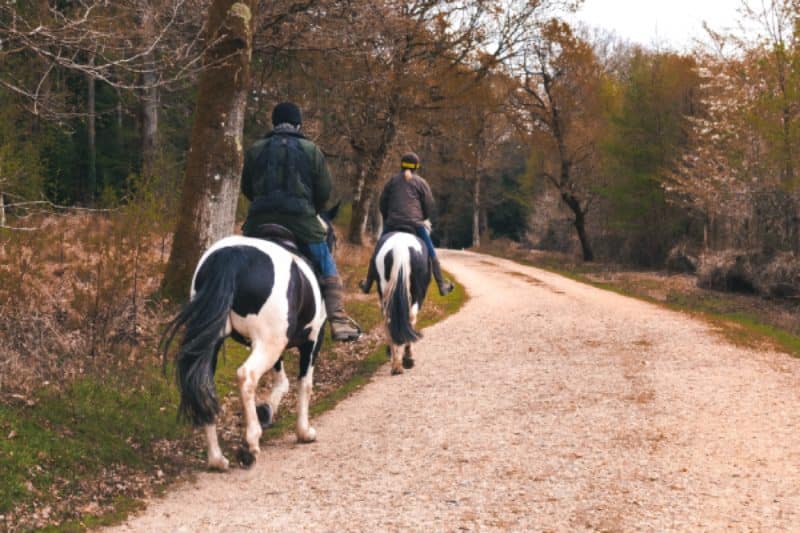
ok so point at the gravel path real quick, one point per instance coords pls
(544, 405)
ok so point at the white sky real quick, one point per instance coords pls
(668, 23)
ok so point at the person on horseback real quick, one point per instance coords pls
(287, 181)
(406, 204)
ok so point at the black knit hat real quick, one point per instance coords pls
(409, 160)
(286, 112)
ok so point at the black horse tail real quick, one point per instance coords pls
(205, 318)
(397, 305)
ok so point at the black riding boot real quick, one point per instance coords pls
(445, 287)
(343, 328)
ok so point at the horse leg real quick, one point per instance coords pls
(261, 358)
(216, 461)
(408, 356)
(280, 386)
(308, 353)
(397, 352)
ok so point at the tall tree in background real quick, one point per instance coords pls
(561, 94)
(745, 133)
(773, 71)
(657, 94)
(214, 164)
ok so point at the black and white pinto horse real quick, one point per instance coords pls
(403, 271)
(262, 295)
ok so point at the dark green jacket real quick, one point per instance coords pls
(304, 222)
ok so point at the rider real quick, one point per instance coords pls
(287, 182)
(406, 204)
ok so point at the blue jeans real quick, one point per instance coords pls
(423, 234)
(321, 256)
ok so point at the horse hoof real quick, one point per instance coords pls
(220, 464)
(245, 457)
(264, 412)
(308, 436)
(397, 371)
(408, 363)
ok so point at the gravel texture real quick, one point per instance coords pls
(543, 405)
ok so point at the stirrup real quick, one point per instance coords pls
(365, 286)
(445, 288)
(349, 336)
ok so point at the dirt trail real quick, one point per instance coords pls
(544, 405)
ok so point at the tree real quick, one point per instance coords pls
(656, 96)
(213, 168)
(745, 132)
(560, 92)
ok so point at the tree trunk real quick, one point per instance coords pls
(375, 157)
(580, 227)
(476, 212)
(214, 163)
(150, 102)
(368, 181)
(580, 224)
(91, 171)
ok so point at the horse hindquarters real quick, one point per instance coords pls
(398, 303)
(205, 318)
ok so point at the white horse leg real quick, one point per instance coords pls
(280, 386)
(261, 358)
(308, 353)
(397, 355)
(304, 431)
(216, 460)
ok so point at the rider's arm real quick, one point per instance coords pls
(383, 204)
(247, 176)
(322, 180)
(426, 199)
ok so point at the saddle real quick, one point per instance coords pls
(278, 234)
(283, 237)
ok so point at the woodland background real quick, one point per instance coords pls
(122, 125)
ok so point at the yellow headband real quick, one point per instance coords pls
(408, 164)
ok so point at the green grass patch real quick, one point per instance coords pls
(123, 507)
(66, 436)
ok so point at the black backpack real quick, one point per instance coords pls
(284, 184)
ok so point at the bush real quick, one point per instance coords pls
(74, 293)
(780, 276)
(731, 270)
(681, 261)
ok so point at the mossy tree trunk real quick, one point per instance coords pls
(214, 163)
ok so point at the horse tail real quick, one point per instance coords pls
(397, 302)
(205, 318)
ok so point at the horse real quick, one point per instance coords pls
(402, 268)
(265, 295)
